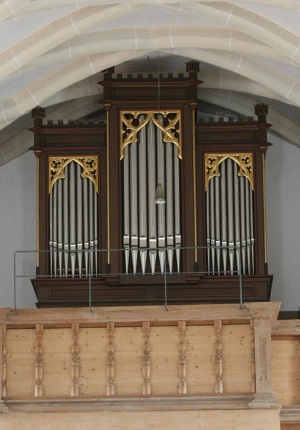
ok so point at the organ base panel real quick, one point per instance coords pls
(150, 290)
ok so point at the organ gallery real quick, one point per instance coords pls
(152, 263)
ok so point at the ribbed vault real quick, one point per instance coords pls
(52, 55)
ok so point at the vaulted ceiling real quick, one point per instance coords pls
(52, 54)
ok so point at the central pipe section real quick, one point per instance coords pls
(151, 231)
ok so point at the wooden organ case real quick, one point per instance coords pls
(151, 206)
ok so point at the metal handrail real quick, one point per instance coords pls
(91, 275)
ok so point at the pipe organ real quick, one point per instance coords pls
(150, 191)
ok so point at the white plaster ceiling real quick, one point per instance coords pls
(52, 54)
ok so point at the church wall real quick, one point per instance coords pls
(283, 208)
(17, 227)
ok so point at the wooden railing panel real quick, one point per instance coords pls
(164, 358)
(57, 345)
(237, 364)
(129, 361)
(286, 370)
(93, 364)
(200, 359)
(20, 363)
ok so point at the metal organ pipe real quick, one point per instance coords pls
(72, 219)
(237, 215)
(243, 226)
(217, 223)
(230, 204)
(91, 228)
(86, 225)
(95, 230)
(54, 232)
(133, 205)
(208, 234)
(212, 227)
(143, 200)
(79, 219)
(126, 235)
(161, 207)
(170, 204)
(177, 208)
(248, 237)
(60, 226)
(224, 217)
(251, 233)
(151, 195)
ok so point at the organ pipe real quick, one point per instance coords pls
(237, 220)
(170, 205)
(85, 226)
(79, 219)
(72, 219)
(60, 226)
(248, 237)
(142, 163)
(133, 205)
(151, 195)
(177, 208)
(213, 239)
(243, 227)
(126, 236)
(66, 222)
(224, 223)
(230, 204)
(161, 207)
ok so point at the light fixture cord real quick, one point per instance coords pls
(158, 82)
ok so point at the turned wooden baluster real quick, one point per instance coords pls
(110, 387)
(4, 362)
(182, 387)
(218, 357)
(253, 376)
(75, 361)
(146, 359)
(39, 362)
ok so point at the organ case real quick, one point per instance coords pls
(101, 234)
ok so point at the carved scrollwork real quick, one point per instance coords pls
(146, 359)
(182, 363)
(110, 386)
(39, 362)
(218, 357)
(89, 164)
(75, 360)
(244, 161)
(4, 362)
(169, 122)
(253, 365)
